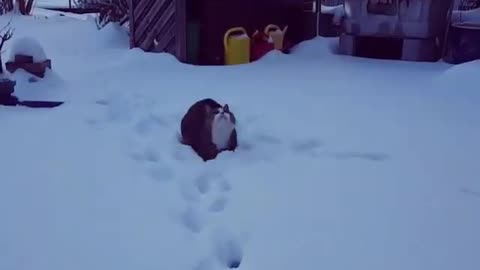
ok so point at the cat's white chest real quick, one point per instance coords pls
(221, 130)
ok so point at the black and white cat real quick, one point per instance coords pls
(209, 128)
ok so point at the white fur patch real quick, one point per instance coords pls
(222, 128)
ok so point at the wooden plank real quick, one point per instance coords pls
(141, 7)
(74, 10)
(150, 17)
(131, 24)
(171, 47)
(166, 35)
(169, 12)
(140, 15)
(181, 30)
(167, 31)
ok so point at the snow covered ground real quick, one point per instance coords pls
(54, 3)
(344, 163)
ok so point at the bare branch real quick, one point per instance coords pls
(6, 26)
(6, 33)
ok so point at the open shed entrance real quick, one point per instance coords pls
(378, 47)
(193, 27)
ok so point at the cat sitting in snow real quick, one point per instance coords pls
(209, 128)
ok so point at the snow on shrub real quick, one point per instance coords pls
(23, 6)
(6, 6)
(28, 46)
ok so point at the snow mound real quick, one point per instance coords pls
(465, 73)
(455, 87)
(28, 46)
(318, 47)
(114, 36)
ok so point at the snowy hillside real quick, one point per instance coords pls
(344, 163)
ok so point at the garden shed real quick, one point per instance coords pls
(193, 30)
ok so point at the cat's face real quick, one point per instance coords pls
(223, 114)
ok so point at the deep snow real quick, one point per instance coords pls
(53, 3)
(344, 163)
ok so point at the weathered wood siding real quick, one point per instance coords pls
(158, 26)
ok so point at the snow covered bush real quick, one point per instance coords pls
(25, 6)
(6, 6)
(115, 11)
(27, 46)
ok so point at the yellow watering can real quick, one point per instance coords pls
(276, 34)
(237, 47)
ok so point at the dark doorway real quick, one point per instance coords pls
(193, 20)
(302, 18)
(379, 47)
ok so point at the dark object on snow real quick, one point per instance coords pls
(234, 264)
(39, 104)
(7, 87)
(23, 59)
(209, 129)
(26, 62)
(463, 43)
(8, 100)
(72, 10)
(11, 100)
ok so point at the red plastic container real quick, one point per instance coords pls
(260, 45)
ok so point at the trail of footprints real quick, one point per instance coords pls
(207, 195)
(208, 191)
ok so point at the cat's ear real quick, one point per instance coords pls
(226, 108)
